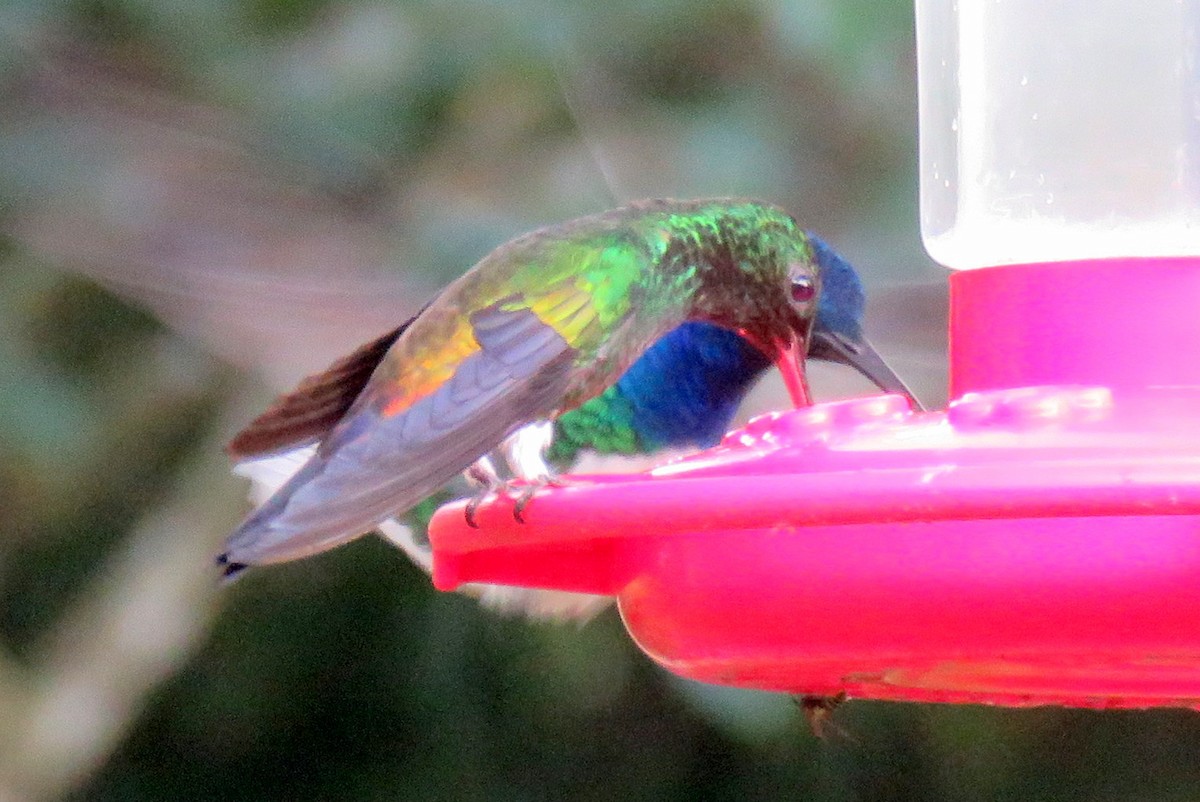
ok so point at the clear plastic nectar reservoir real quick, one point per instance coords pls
(1056, 130)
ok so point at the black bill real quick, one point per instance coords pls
(862, 356)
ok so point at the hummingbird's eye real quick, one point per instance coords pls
(803, 289)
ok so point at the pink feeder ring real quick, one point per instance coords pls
(998, 552)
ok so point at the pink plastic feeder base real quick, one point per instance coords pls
(1029, 545)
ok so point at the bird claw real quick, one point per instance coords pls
(473, 507)
(522, 501)
(528, 490)
(818, 711)
(521, 491)
(483, 474)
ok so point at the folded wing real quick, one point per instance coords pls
(378, 462)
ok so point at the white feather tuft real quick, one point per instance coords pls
(268, 474)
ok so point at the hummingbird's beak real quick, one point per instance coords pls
(790, 361)
(862, 356)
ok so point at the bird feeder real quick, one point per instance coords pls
(1038, 541)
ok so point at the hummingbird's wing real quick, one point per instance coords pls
(378, 462)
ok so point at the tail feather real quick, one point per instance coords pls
(308, 413)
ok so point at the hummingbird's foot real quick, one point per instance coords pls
(521, 490)
(525, 453)
(523, 496)
(523, 499)
(473, 507)
(482, 473)
(530, 488)
(818, 711)
(526, 495)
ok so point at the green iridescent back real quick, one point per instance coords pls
(642, 269)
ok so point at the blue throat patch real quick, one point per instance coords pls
(686, 388)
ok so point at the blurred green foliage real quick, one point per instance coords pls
(196, 162)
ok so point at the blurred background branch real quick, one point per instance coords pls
(130, 627)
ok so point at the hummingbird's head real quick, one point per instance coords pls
(782, 289)
(763, 282)
(837, 331)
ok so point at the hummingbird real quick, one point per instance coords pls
(538, 337)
